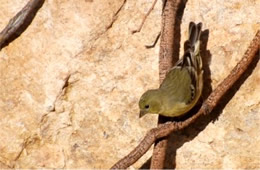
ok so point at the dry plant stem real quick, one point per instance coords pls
(235, 74)
(167, 57)
(146, 15)
(155, 41)
(167, 128)
(116, 15)
(18, 20)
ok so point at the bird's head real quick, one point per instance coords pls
(149, 102)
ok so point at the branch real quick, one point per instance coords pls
(167, 128)
(115, 16)
(168, 56)
(19, 22)
(146, 15)
(155, 42)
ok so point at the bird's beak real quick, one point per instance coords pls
(142, 113)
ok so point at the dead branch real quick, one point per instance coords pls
(155, 41)
(168, 56)
(115, 16)
(146, 15)
(167, 128)
(19, 22)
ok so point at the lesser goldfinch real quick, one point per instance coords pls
(182, 86)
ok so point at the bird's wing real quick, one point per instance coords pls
(182, 81)
(177, 82)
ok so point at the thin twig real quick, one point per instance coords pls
(146, 15)
(155, 42)
(212, 101)
(115, 16)
(19, 20)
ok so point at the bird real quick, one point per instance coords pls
(182, 87)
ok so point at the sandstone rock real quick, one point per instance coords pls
(70, 86)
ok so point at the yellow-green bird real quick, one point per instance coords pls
(182, 86)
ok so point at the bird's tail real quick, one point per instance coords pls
(192, 47)
(191, 59)
(194, 33)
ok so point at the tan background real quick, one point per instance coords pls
(94, 121)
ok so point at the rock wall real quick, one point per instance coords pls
(70, 85)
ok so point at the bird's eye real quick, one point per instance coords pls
(146, 106)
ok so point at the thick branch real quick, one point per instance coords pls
(169, 127)
(168, 56)
(21, 19)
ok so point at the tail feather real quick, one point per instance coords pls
(191, 59)
(194, 33)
